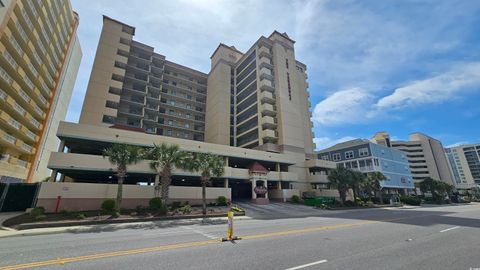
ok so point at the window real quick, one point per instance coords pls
(108, 119)
(169, 132)
(187, 116)
(172, 102)
(375, 161)
(189, 106)
(336, 157)
(349, 155)
(325, 157)
(170, 122)
(363, 152)
(187, 125)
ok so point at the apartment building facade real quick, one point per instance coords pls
(39, 60)
(425, 155)
(131, 85)
(365, 156)
(249, 106)
(464, 162)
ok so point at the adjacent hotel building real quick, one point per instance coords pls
(425, 155)
(464, 161)
(39, 59)
(365, 156)
(252, 108)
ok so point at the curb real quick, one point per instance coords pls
(9, 232)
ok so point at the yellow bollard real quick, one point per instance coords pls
(230, 236)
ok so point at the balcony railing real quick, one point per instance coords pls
(9, 138)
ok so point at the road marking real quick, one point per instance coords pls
(194, 244)
(307, 265)
(449, 229)
(200, 232)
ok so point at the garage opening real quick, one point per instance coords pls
(241, 189)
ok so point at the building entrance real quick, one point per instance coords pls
(241, 190)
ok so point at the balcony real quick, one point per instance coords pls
(268, 135)
(268, 122)
(8, 138)
(267, 97)
(266, 85)
(267, 109)
(265, 63)
(318, 178)
(264, 52)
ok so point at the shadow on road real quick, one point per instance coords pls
(419, 216)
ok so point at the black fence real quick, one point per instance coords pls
(17, 196)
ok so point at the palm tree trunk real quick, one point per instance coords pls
(342, 196)
(204, 198)
(121, 172)
(380, 197)
(166, 181)
(157, 185)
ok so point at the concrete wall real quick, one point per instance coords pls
(283, 194)
(100, 81)
(84, 196)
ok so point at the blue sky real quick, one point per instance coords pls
(396, 66)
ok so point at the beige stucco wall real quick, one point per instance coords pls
(100, 81)
(84, 196)
(59, 110)
(283, 194)
(217, 117)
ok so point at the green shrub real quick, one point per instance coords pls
(108, 206)
(359, 201)
(295, 199)
(80, 216)
(349, 203)
(175, 205)
(186, 209)
(222, 200)
(40, 217)
(162, 211)
(410, 200)
(64, 213)
(155, 203)
(37, 211)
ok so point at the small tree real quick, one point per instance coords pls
(208, 165)
(438, 189)
(340, 178)
(356, 180)
(163, 158)
(121, 155)
(372, 184)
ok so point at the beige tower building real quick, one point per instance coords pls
(259, 99)
(464, 161)
(39, 55)
(132, 86)
(425, 155)
(252, 108)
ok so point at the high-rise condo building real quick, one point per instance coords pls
(464, 161)
(252, 108)
(424, 153)
(39, 59)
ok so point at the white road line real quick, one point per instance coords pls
(449, 229)
(307, 265)
(201, 233)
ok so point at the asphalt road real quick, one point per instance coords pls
(278, 237)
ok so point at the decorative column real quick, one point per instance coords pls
(254, 184)
(225, 183)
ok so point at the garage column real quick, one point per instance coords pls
(265, 184)
(279, 185)
(225, 183)
(254, 184)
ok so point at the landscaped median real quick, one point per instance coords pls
(37, 218)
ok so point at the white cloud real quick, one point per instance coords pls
(443, 87)
(457, 144)
(344, 106)
(325, 142)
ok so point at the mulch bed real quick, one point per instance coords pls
(26, 221)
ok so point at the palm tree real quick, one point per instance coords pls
(121, 155)
(340, 178)
(357, 178)
(372, 184)
(208, 165)
(163, 158)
